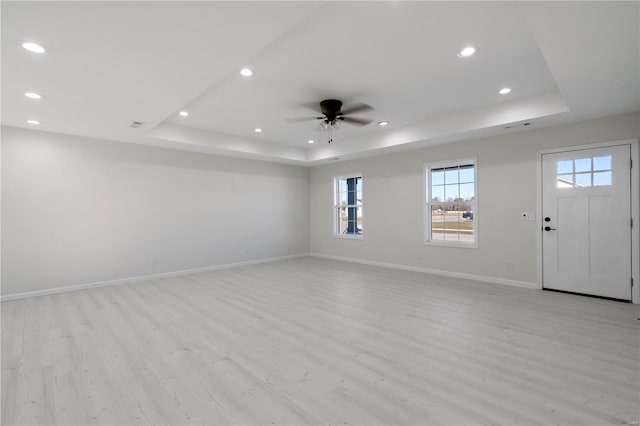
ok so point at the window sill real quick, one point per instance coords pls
(451, 244)
(349, 236)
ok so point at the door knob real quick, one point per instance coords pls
(548, 228)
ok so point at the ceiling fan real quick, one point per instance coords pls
(333, 115)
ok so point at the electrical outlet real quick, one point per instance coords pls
(509, 265)
(154, 260)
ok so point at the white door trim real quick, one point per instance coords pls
(635, 207)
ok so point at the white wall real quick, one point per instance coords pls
(78, 210)
(393, 201)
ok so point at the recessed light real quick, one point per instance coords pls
(33, 122)
(32, 95)
(382, 123)
(183, 114)
(246, 72)
(467, 51)
(257, 130)
(504, 91)
(33, 47)
(311, 141)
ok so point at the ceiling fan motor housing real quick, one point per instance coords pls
(331, 109)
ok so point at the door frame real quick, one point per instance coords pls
(635, 207)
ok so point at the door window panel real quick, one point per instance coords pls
(602, 179)
(584, 172)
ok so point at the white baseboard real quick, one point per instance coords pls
(495, 280)
(119, 281)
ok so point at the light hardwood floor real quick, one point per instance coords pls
(313, 341)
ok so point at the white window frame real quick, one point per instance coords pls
(427, 203)
(334, 206)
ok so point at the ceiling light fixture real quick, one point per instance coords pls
(33, 47)
(33, 122)
(467, 51)
(183, 114)
(32, 95)
(246, 72)
(257, 130)
(311, 141)
(383, 123)
(333, 116)
(504, 91)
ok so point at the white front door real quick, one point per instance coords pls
(586, 221)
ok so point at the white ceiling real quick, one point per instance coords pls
(111, 63)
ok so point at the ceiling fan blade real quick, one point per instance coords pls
(314, 106)
(357, 121)
(357, 108)
(301, 119)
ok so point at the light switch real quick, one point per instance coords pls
(528, 216)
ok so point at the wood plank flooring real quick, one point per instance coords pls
(314, 341)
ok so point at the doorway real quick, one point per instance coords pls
(586, 220)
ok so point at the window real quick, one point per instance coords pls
(451, 203)
(347, 206)
(583, 172)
